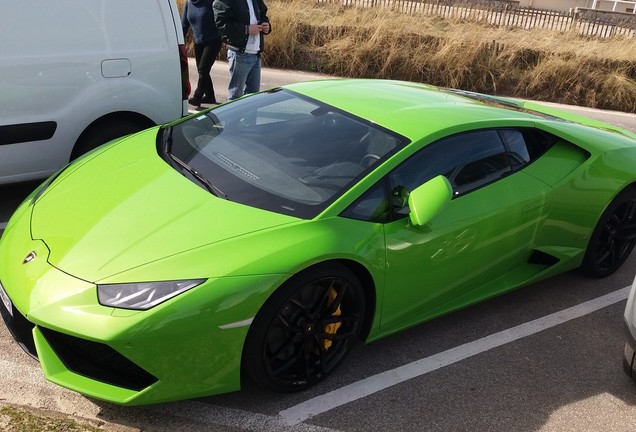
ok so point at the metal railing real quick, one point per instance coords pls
(508, 13)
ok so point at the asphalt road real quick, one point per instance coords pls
(546, 357)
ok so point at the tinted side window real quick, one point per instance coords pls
(468, 160)
(517, 150)
(373, 206)
(526, 145)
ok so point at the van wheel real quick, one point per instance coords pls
(102, 133)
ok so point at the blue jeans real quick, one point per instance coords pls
(245, 74)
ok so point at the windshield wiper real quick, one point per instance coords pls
(205, 182)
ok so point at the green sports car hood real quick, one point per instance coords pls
(128, 207)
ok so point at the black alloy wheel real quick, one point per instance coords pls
(305, 330)
(613, 238)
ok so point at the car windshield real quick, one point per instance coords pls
(278, 151)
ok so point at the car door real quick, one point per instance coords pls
(480, 243)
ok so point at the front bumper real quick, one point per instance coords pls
(67, 359)
(187, 347)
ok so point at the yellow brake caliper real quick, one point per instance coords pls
(332, 329)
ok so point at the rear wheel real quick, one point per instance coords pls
(305, 330)
(102, 133)
(613, 238)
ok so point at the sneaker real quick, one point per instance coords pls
(195, 102)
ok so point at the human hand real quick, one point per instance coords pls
(254, 29)
(265, 27)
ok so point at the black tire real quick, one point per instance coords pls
(305, 330)
(102, 133)
(613, 238)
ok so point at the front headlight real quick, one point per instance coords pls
(143, 295)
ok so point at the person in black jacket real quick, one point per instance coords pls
(242, 24)
(199, 15)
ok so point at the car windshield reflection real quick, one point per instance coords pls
(280, 151)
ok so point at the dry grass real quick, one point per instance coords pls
(379, 43)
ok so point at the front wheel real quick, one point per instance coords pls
(305, 329)
(613, 238)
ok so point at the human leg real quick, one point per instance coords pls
(200, 88)
(208, 57)
(238, 74)
(253, 81)
(240, 65)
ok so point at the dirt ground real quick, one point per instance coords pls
(15, 418)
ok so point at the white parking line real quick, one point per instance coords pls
(373, 384)
(204, 414)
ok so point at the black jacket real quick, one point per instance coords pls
(199, 15)
(232, 18)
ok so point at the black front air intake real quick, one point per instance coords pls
(97, 361)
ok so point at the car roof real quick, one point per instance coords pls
(411, 109)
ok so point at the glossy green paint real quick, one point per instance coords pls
(157, 340)
(162, 201)
(463, 253)
(121, 214)
(429, 199)
(413, 110)
(242, 271)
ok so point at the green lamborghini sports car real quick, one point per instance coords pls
(259, 239)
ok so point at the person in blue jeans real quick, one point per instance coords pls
(243, 24)
(199, 16)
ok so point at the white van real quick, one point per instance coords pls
(75, 74)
